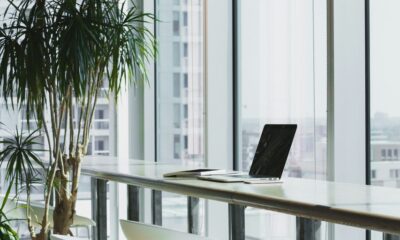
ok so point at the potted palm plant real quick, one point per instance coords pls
(54, 57)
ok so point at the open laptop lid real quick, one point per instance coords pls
(273, 150)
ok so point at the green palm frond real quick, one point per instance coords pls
(19, 155)
(71, 44)
(6, 231)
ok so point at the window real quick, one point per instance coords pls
(177, 115)
(186, 142)
(177, 146)
(383, 153)
(177, 85)
(99, 145)
(185, 50)
(99, 114)
(185, 111)
(176, 54)
(176, 24)
(282, 78)
(185, 19)
(394, 173)
(384, 93)
(192, 77)
(90, 148)
(180, 114)
(185, 80)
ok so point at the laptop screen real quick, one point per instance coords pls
(273, 150)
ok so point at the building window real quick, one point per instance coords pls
(99, 114)
(396, 153)
(177, 85)
(100, 145)
(185, 80)
(389, 153)
(185, 50)
(185, 111)
(186, 142)
(176, 24)
(90, 148)
(177, 115)
(373, 174)
(383, 153)
(177, 54)
(177, 146)
(394, 173)
(185, 19)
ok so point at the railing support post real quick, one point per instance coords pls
(308, 229)
(99, 208)
(156, 202)
(236, 222)
(133, 203)
(193, 215)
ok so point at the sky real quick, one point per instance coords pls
(385, 57)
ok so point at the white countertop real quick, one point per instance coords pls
(372, 207)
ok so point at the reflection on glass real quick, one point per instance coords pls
(385, 85)
(180, 95)
(282, 79)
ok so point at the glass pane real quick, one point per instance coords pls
(180, 82)
(384, 94)
(282, 79)
(180, 95)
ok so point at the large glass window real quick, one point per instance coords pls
(282, 78)
(384, 94)
(385, 85)
(180, 94)
(180, 81)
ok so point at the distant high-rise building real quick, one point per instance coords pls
(180, 81)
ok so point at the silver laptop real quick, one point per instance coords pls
(270, 157)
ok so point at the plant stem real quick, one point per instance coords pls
(52, 174)
(71, 128)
